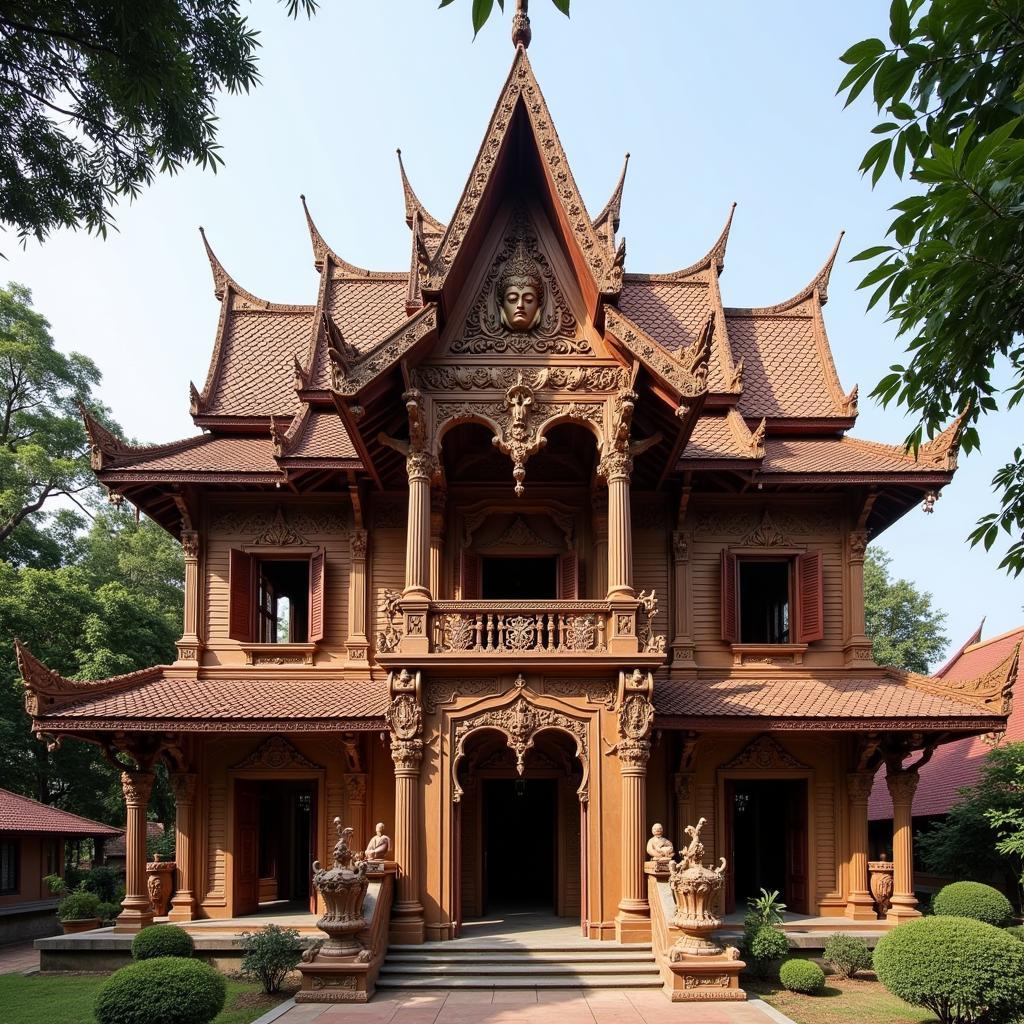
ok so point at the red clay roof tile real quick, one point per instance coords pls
(21, 814)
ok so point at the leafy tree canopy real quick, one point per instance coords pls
(949, 86)
(906, 630)
(100, 95)
(481, 10)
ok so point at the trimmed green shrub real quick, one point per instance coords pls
(973, 899)
(961, 970)
(802, 976)
(162, 940)
(1017, 931)
(763, 945)
(270, 954)
(169, 990)
(847, 954)
(107, 912)
(78, 905)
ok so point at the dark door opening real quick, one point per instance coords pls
(519, 817)
(275, 837)
(768, 841)
(519, 579)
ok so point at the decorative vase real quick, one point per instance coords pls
(160, 884)
(880, 881)
(694, 888)
(343, 888)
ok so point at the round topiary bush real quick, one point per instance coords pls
(973, 899)
(802, 976)
(961, 970)
(162, 940)
(762, 947)
(847, 954)
(169, 990)
(1017, 931)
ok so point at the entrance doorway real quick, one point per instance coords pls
(519, 818)
(275, 844)
(767, 832)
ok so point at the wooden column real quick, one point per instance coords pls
(599, 521)
(857, 647)
(616, 468)
(859, 904)
(355, 790)
(437, 506)
(902, 785)
(420, 467)
(357, 642)
(190, 645)
(183, 906)
(137, 912)
(682, 637)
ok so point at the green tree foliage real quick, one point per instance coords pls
(906, 631)
(974, 841)
(43, 450)
(100, 95)
(481, 10)
(949, 87)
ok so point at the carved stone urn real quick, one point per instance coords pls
(343, 888)
(160, 884)
(694, 888)
(880, 881)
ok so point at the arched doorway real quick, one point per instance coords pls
(519, 850)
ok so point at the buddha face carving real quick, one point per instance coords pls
(520, 292)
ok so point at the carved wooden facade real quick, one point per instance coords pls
(379, 464)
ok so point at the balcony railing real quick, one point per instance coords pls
(522, 627)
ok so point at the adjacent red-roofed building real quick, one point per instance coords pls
(32, 840)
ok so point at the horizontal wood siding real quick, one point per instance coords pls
(387, 572)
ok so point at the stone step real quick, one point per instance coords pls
(442, 980)
(525, 956)
(510, 970)
(473, 947)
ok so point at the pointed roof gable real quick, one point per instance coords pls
(606, 223)
(521, 103)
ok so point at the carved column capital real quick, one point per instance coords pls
(634, 754)
(136, 787)
(683, 785)
(407, 755)
(680, 545)
(356, 787)
(859, 786)
(858, 542)
(357, 541)
(190, 544)
(421, 465)
(902, 785)
(615, 465)
(183, 785)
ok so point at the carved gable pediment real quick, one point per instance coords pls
(764, 753)
(277, 753)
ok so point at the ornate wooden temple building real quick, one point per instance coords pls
(518, 549)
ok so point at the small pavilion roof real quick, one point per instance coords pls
(20, 815)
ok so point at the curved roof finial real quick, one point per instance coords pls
(521, 31)
(221, 278)
(412, 203)
(610, 213)
(821, 281)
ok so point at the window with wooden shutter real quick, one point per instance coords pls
(316, 597)
(469, 576)
(241, 589)
(568, 577)
(810, 623)
(730, 614)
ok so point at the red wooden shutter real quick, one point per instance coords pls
(469, 576)
(240, 596)
(568, 577)
(730, 612)
(316, 597)
(810, 606)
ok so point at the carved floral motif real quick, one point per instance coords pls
(765, 752)
(276, 752)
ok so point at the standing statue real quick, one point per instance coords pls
(379, 847)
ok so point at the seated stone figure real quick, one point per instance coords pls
(379, 847)
(659, 848)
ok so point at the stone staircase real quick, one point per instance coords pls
(480, 964)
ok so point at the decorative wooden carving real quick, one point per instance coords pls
(765, 535)
(764, 754)
(439, 692)
(500, 378)
(276, 753)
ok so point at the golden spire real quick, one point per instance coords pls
(521, 34)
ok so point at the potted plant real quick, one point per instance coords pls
(79, 910)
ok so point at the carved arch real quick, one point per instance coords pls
(448, 415)
(521, 720)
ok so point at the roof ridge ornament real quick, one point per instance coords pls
(521, 31)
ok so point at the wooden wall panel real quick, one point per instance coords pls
(386, 572)
(652, 567)
(216, 842)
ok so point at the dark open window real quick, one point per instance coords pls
(10, 862)
(276, 600)
(764, 602)
(520, 579)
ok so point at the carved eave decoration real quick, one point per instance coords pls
(991, 692)
(47, 691)
(764, 753)
(598, 269)
(277, 753)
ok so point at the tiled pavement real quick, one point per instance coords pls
(529, 1007)
(19, 957)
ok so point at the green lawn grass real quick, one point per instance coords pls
(856, 1001)
(68, 999)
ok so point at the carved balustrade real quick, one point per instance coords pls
(519, 627)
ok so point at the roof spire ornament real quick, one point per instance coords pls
(521, 32)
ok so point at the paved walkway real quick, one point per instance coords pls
(530, 1007)
(18, 957)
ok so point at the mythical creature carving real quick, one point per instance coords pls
(649, 643)
(389, 637)
(694, 888)
(343, 888)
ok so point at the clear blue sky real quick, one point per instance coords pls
(715, 102)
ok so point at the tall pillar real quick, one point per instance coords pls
(859, 904)
(682, 637)
(636, 716)
(137, 912)
(437, 506)
(357, 643)
(420, 467)
(190, 645)
(405, 720)
(616, 468)
(857, 647)
(183, 906)
(902, 785)
(355, 790)
(599, 521)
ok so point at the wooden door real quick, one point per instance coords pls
(796, 847)
(246, 849)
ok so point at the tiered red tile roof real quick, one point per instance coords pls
(21, 815)
(957, 765)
